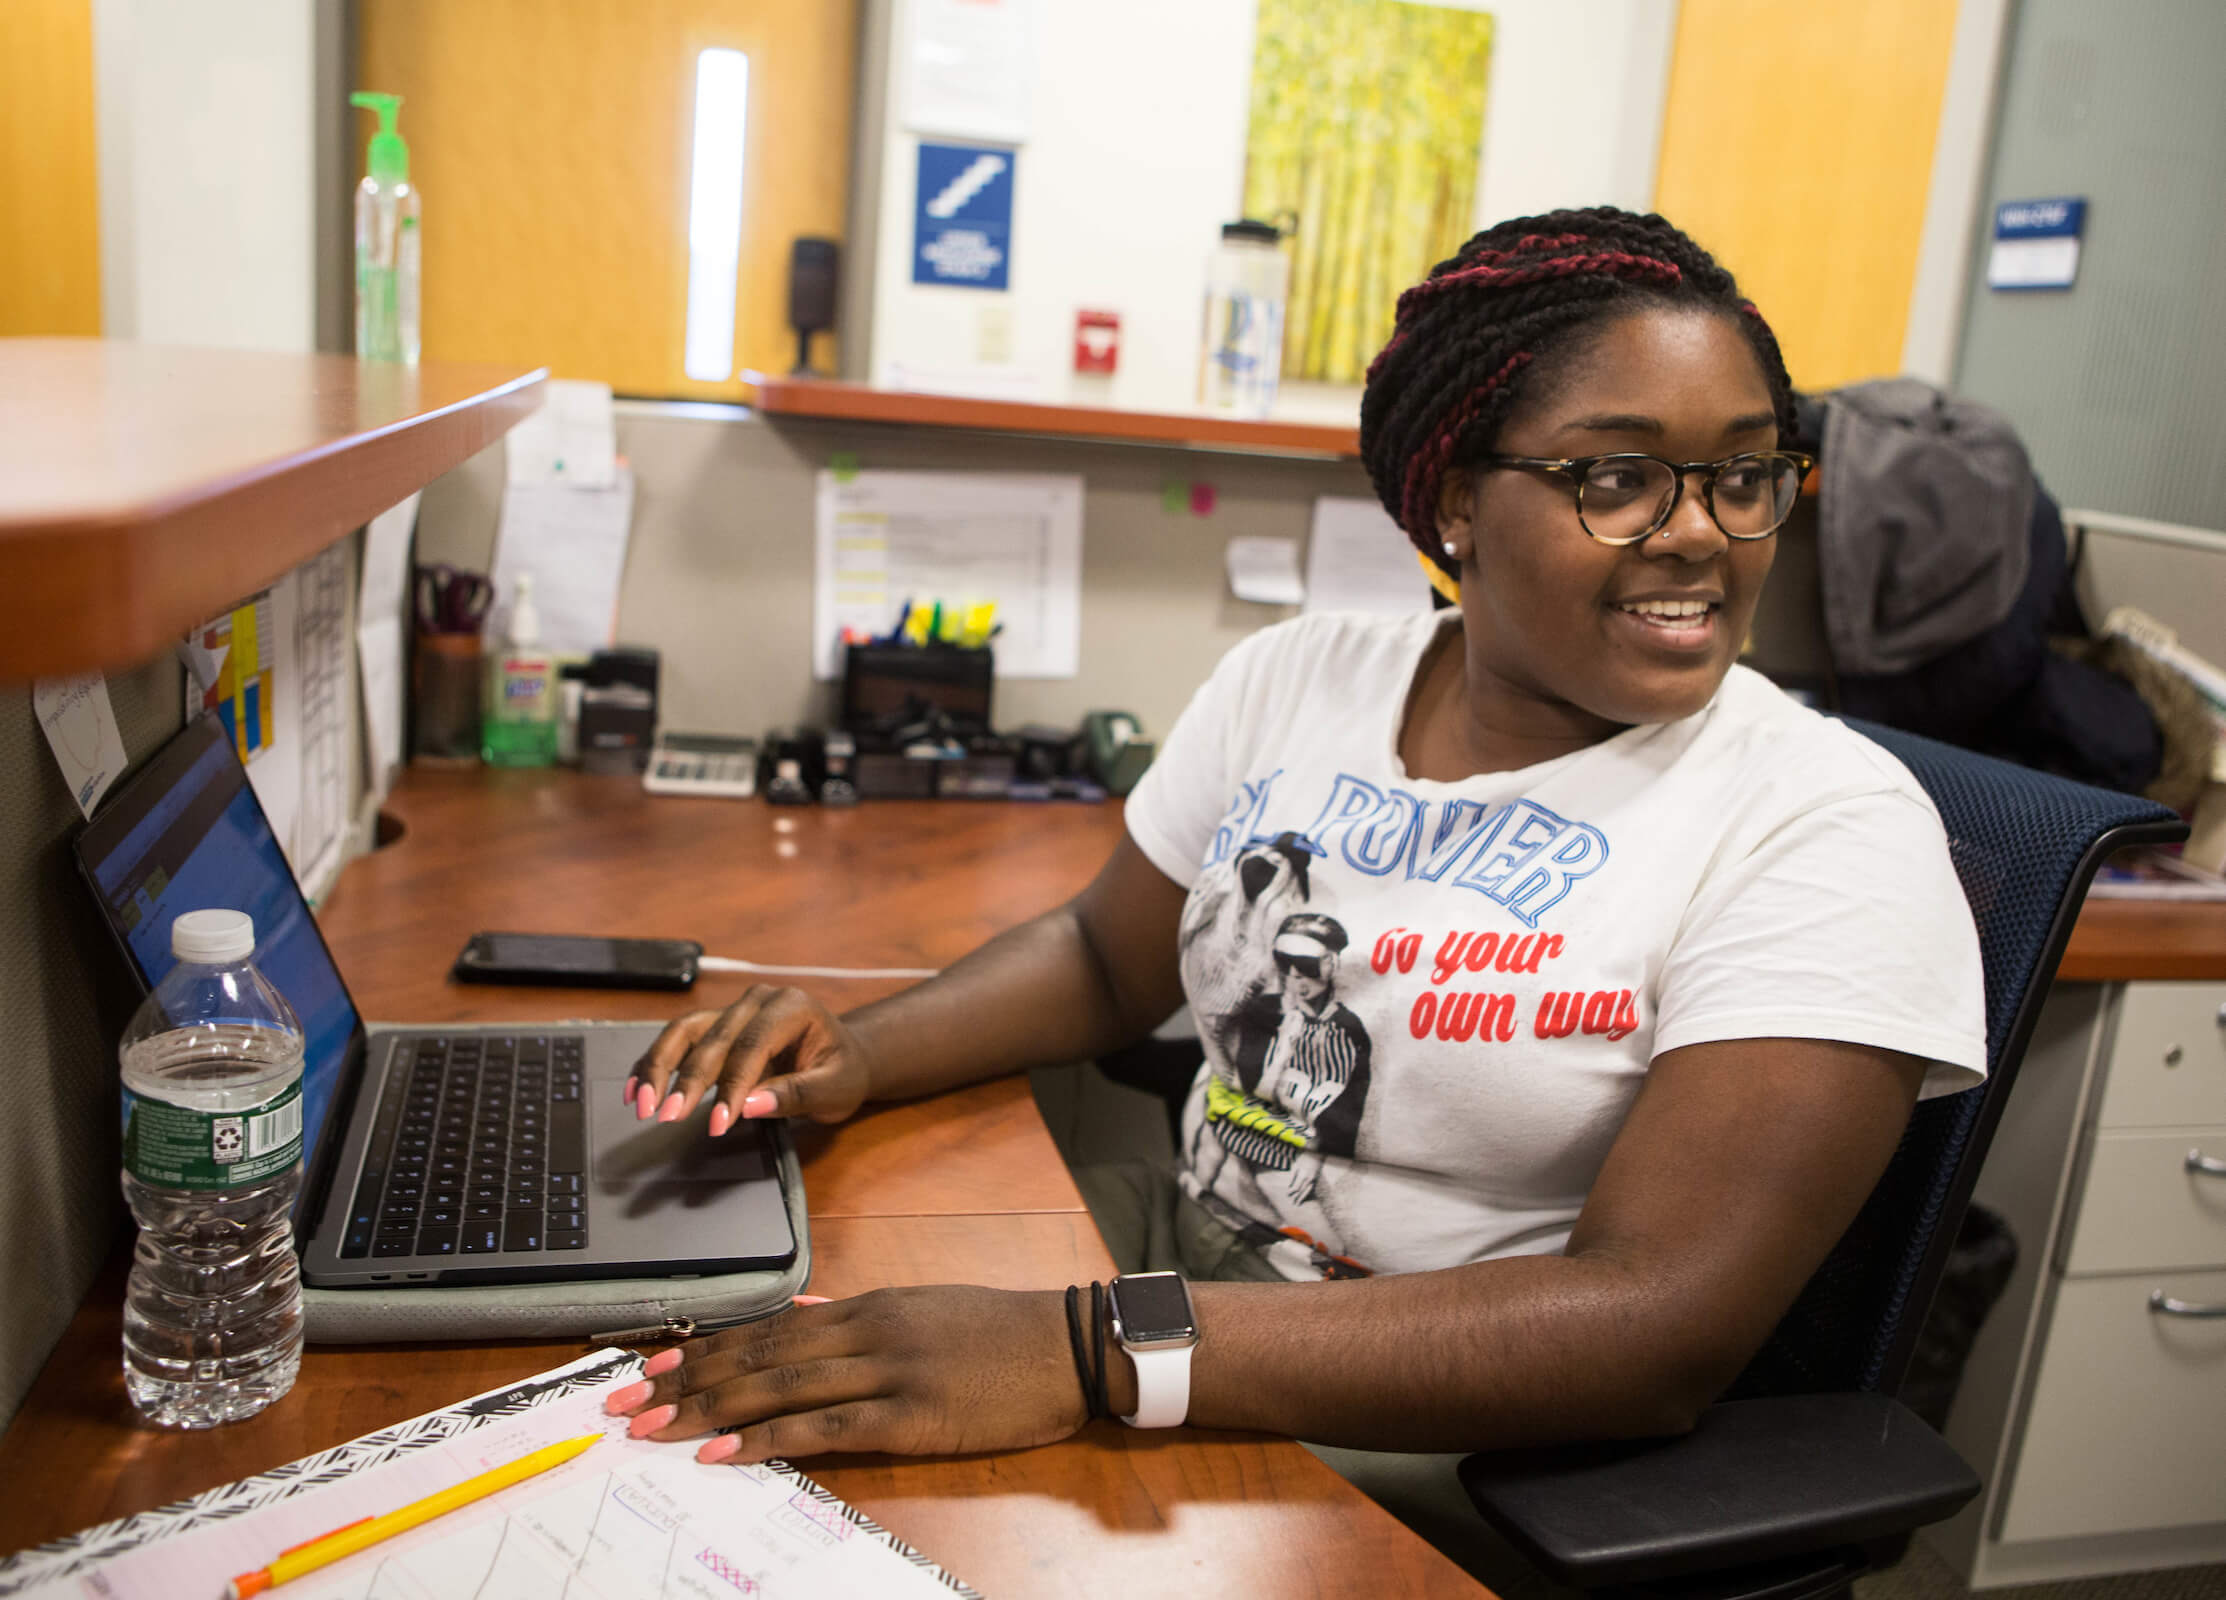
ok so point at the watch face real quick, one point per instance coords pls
(1154, 1308)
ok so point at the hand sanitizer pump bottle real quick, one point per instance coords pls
(386, 242)
(519, 727)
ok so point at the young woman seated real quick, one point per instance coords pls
(1564, 986)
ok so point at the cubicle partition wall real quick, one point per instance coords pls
(63, 1004)
(719, 568)
(2175, 574)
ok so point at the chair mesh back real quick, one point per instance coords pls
(2018, 839)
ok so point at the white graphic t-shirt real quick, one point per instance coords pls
(1427, 1007)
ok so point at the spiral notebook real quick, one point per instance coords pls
(627, 1520)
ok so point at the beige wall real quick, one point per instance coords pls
(719, 571)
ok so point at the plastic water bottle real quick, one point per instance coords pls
(1246, 282)
(212, 1162)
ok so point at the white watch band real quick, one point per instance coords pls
(1162, 1387)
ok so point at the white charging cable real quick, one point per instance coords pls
(736, 964)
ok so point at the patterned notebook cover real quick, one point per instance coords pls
(49, 1568)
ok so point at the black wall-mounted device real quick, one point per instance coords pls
(811, 294)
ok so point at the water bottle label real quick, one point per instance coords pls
(179, 1147)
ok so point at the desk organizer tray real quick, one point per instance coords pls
(616, 1310)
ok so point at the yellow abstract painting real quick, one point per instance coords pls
(1366, 127)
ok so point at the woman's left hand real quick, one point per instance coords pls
(928, 1371)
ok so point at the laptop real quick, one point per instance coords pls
(451, 1154)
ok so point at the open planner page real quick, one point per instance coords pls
(625, 1520)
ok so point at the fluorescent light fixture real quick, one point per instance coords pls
(715, 212)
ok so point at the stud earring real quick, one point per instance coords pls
(1449, 550)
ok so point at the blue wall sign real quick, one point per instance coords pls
(962, 218)
(2036, 244)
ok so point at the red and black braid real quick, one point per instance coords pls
(1473, 334)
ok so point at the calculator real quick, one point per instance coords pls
(702, 763)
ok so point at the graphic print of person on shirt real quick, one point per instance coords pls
(1301, 1061)
(1230, 920)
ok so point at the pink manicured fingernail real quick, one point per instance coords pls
(811, 1300)
(717, 1450)
(620, 1401)
(632, 1084)
(645, 1101)
(758, 1103)
(650, 1421)
(670, 1110)
(721, 1119)
(663, 1361)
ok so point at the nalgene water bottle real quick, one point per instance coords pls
(1246, 281)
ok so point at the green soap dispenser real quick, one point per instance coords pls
(519, 725)
(386, 242)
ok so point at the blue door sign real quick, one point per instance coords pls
(962, 216)
(2036, 243)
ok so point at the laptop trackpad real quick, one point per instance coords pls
(664, 1154)
(669, 1191)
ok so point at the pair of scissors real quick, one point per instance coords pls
(451, 600)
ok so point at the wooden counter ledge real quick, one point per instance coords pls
(855, 402)
(143, 487)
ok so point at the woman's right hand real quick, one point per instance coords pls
(776, 1052)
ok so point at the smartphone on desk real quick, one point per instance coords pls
(578, 961)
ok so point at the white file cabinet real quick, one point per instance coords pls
(2094, 1406)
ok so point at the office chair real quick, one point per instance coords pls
(1810, 1466)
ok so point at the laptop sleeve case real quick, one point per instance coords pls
(628, 1310)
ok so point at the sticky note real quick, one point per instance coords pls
(1174, 495)
(80, 728)
(1201, 499)
(1265, 571)
(844, 465)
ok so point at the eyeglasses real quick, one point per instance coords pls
(1622, 499)
(1304, 966)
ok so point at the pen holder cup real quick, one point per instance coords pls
(445, 676)
(887, 682)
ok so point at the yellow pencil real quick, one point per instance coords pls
(327, 1548)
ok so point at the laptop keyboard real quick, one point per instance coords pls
(479, 1146)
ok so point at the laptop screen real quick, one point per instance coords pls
(187, 834)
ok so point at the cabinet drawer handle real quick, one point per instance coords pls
(2163, 1305)
(2208, 1166)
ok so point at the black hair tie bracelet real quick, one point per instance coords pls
(1092, 1381)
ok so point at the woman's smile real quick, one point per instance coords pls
(1682, 623)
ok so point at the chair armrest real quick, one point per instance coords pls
(1756, 1481)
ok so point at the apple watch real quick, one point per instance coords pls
(1154, 1321)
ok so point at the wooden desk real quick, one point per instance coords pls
(2146, 940)
(967, 1187)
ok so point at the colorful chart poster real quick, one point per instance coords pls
(244, 647)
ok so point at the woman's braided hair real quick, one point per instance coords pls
(1472, 335)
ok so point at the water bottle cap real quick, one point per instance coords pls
(213, 938)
